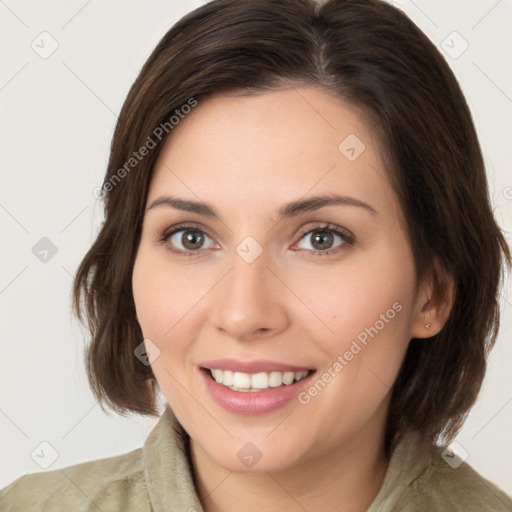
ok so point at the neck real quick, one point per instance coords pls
(344, 480)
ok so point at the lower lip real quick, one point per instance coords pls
(249, 402)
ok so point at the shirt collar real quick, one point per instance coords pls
(169, 476)
(409, 460)
(167, 469)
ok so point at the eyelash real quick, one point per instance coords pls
(345, 235)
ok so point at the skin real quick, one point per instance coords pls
(247, 156)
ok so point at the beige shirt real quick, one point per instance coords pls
(158, 478)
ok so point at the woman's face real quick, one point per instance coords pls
(266, 277)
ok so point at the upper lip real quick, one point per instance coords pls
(252, 366)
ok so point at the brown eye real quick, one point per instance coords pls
(192, 240)
(187, 240)
(325, 240)
(322, 240)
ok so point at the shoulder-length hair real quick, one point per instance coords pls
(370, 54)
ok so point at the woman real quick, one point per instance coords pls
(299, 252)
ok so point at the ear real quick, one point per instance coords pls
(434, 302)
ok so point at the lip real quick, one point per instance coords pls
(252, 366)
(253, 403)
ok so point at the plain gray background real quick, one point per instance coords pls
(58, 112)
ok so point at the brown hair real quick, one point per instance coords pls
(370, 54)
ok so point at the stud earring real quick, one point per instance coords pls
(428, 326)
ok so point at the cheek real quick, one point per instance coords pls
(368, 307)
(168, 301)
(370, 311)
(160, 306)
(361, 293)
(163, 295)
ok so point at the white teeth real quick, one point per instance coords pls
(228, 378)
(288, 377)
(239, 381)
(275, 379)
(258, 380)
(301, 375)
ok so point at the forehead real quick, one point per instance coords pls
(290, 142)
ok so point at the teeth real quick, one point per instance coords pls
(258, 380)
(238, 381)
(275, 379)
(227, 378)
(288, 377)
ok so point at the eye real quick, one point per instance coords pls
(189, 240)
(186, 239)
(321, 239)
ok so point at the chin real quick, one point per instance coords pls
(255, 461)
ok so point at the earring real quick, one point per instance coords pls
(428, 326)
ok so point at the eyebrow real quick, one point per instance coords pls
(288, 210)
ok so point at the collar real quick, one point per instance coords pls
(169, 475)
(408, 462)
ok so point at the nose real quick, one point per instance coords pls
(251, 301)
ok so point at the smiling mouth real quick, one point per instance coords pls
(254, 382)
